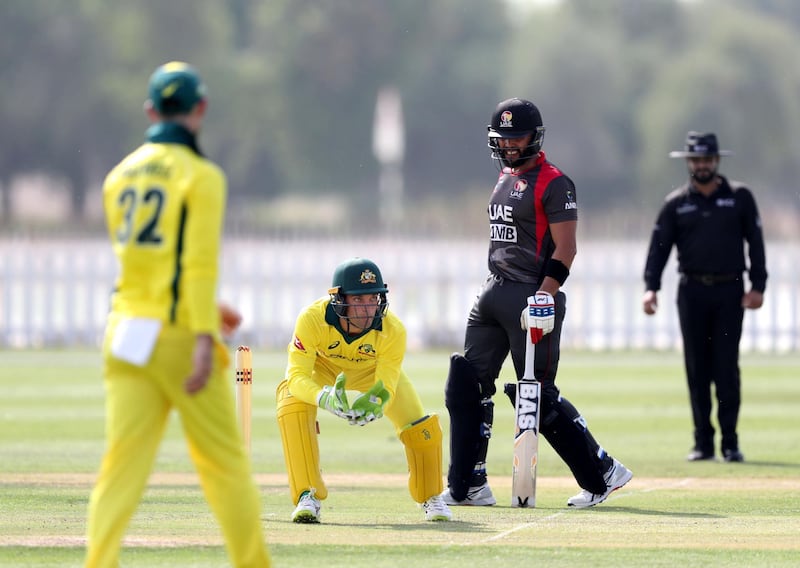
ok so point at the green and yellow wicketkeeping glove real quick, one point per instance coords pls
(334, 399)
(368, 406)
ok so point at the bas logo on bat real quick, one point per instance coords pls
(526, 444)
(528, 406)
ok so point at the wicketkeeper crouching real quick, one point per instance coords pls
(349, 340)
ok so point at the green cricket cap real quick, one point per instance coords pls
(175, 88)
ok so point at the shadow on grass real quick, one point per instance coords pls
(657, 513)
(456, 525)
(786, 465)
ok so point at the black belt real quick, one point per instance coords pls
(711, 279)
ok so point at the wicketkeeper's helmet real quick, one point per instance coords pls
(357, 276)
(516, 118)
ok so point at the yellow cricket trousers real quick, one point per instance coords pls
(138, 404)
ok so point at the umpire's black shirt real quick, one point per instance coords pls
(709, 233)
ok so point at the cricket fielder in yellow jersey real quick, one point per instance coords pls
(164, 206)
(350, 341)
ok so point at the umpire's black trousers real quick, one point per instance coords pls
(711, 316)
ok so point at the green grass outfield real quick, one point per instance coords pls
(671, 513)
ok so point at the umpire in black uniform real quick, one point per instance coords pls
(709, 219)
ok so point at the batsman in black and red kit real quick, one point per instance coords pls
(533, 216)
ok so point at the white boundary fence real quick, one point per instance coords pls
(55, 293)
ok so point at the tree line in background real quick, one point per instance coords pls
(293, 85)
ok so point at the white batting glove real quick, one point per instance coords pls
(540, 315)
(523, 318)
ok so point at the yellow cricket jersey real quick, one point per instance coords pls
(165, 205)
(320, 350)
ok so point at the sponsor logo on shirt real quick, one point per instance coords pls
(503, 233)
(364, 352)
(686, 208)
(571, 203)
(730, 202)
(298, 344)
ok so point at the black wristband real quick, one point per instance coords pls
(557, 270)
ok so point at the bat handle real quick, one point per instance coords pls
(530, 349)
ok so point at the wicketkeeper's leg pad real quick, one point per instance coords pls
(423, 443)
(297, 422)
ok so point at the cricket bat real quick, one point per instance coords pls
(526, 431)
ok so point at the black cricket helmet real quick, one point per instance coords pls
(357, 276)
(516, 118)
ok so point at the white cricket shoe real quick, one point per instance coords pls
(480, 496)
(436, 509)
(308, 508)
(615, 478)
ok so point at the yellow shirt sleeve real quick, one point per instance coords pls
(392, 351)
(205, 204)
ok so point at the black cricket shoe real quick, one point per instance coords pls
(732, 455)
